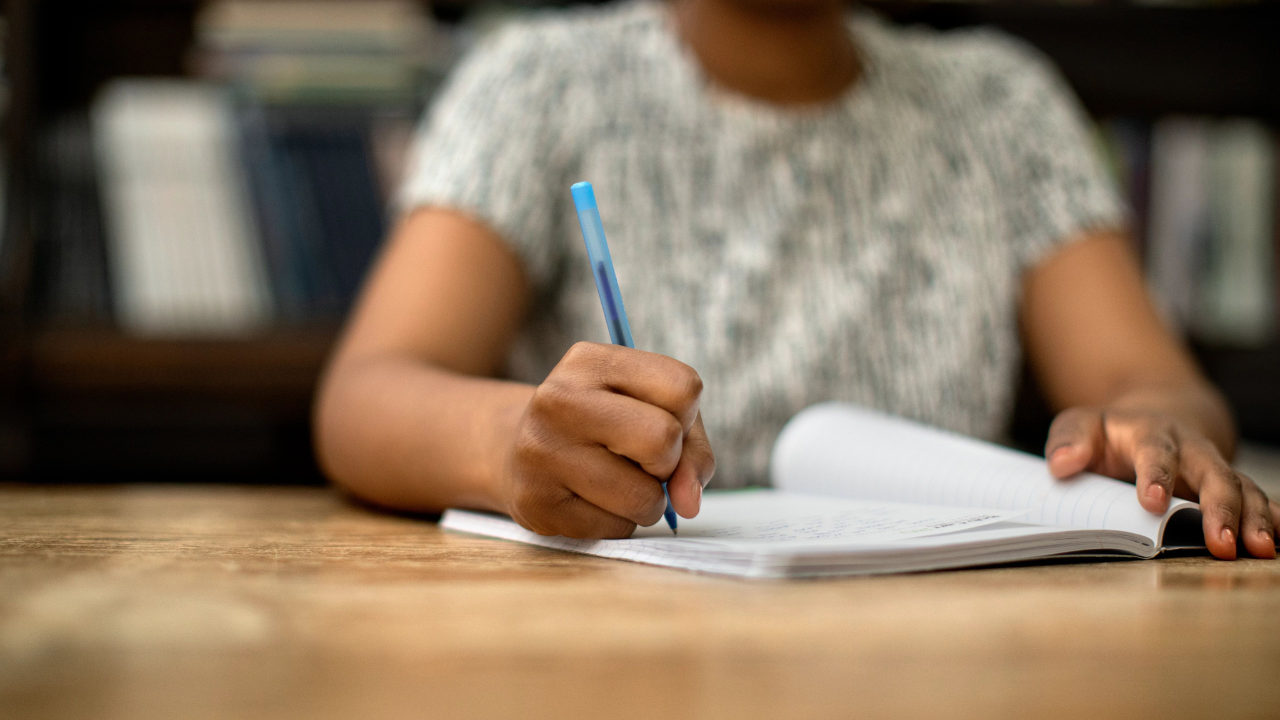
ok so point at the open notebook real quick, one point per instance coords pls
(857, 492)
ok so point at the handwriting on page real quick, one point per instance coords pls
(770, 517)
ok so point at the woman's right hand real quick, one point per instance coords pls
(599, 437)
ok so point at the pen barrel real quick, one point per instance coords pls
(602, 268)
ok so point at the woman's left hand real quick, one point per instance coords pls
(1166, 459)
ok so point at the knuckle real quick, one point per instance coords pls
(556, 396)
(690, 383)
(535, 507)
(660, 448)
(698, 449)
(667, 434)
(1160, 442)
(1227, 512)
(644, 503)
(528, 523)
(532, 453)
(655, 438)
(582, 353)
(1160, 475)
(529, 495)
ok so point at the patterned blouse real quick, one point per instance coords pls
(869, 249)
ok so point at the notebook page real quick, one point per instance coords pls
(844, 451)
(740, 525)
(771, 517)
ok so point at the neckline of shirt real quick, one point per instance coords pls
(733, 105)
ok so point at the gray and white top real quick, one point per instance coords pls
(869, 250)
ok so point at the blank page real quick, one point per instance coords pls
(845, 451)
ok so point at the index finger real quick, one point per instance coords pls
(649, 377)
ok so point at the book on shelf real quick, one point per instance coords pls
(71, 265)
(318, 203)
(857, 492)
(1126, 143)
(256, 195)
(1238, 306)
(1204, 191)
(183, 247)
(1179, 222)
(320, 51)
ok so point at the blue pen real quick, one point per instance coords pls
(615, 315)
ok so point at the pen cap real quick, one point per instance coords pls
(584, 199)
(584, 196)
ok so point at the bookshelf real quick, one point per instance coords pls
(1139, 60)
(81, 401)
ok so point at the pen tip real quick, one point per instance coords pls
(674, 531)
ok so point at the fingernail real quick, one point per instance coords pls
(1266, 536)
(696, 492)
(1156, 492)
(1228, 537)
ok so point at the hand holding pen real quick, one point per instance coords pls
(601, 435)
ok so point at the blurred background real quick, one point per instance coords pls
(193, 190)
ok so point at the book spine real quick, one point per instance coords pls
(343, 175)
(1179, 216)
(1237, 306)
(270, 201)
(183, 248)
(310, 251)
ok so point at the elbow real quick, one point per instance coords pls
(330, 408)
(349, 435)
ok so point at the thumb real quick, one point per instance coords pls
(1075, 439)
(697, 465)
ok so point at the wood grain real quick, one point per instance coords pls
(226, 602)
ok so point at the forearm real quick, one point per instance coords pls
(1096, 341)
(1193, 403)
(400, 433)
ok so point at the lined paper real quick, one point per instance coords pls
(770, 517)
(761, 550)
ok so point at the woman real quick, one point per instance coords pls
(803, 205)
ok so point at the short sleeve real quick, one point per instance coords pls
(485, 149)
(1052, 181)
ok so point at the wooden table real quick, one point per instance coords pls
(211, 602)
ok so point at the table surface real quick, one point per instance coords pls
(206, 601)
